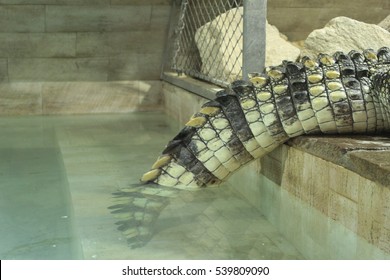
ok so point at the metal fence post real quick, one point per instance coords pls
(253, 57)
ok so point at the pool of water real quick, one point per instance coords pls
(57, 179)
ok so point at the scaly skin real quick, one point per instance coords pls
(339, 94)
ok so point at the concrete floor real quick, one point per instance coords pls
(57, 176)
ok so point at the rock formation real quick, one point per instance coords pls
(345, 34)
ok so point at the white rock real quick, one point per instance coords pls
(224, 46)
(385, 24)
(345, 34)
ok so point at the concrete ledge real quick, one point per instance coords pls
(368, 156)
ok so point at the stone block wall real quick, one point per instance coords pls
(73, 44)
(297, 18)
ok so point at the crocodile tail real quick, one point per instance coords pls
(332, 94)
(224, 135)
(338, 94)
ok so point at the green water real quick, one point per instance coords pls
(57, 176)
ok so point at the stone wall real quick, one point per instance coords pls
(55, 52)
(297, 18)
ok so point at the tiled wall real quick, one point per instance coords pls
(297, 18)
(76, 43)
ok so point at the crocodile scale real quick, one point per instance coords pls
(338, 94)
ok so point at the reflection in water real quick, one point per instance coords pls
(209, 223)
(138, 209)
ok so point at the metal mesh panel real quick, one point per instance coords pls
(206, 45)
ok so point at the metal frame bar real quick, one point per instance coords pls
(197, 87)
(254, 40)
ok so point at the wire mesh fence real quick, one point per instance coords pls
(207, 40)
